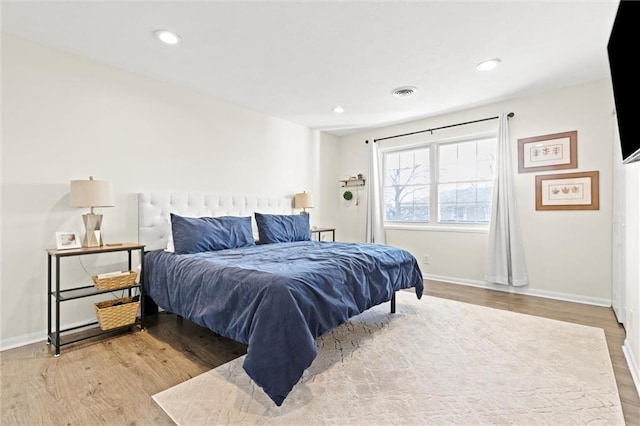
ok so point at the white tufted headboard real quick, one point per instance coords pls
(154, 209)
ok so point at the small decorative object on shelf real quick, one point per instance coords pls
(67, 240)
(353, 181)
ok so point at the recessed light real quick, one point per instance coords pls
(167, 37)
(338, 110)
(488, 65)
(404, 91)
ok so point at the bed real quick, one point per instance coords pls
(276, 295)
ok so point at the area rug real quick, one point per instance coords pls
(433, 362)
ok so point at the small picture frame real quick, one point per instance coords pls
(67, 240)
(568, 191)
(549, 152)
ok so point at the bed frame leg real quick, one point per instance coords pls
(150, 307)
(393, 303)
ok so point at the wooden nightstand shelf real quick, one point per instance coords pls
(56, 296)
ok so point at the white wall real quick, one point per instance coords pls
(65, 117)
(568, 253)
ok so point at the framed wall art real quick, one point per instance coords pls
(568, 191)
(548, 152)
(67, 240)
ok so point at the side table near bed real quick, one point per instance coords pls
(320, 231)
(112, 315)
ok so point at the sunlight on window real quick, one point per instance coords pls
(460, 191)
(406, 185)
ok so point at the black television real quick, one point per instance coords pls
(623, 49)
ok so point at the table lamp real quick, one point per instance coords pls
(91, 193)
(303, 201)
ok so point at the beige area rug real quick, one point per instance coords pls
(435, 361)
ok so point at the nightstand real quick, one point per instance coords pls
(320, 231)
(56, 295)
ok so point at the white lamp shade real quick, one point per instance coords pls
(91, 193)
(303, 201)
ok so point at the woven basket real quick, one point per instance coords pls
(113, 283)
(116, 313)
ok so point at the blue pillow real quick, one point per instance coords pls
(275, 228)
(198, 234)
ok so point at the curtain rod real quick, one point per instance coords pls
(510, 115)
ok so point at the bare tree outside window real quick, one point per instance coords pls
(406, 188)
(458, 183)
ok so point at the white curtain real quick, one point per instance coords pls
(375, 218)
(505, 252)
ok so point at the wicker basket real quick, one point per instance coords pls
(117, 313)
(113, 283)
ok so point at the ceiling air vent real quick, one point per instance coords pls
(404, 92)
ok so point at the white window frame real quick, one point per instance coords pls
(433, 224)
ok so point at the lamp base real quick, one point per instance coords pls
(92, 234)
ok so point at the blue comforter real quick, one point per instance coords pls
(277, 298)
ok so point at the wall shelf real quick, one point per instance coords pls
(349, 183)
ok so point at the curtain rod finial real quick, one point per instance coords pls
(511, 115)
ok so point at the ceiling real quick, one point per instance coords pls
(298, 60)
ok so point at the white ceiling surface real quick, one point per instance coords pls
(297, 60)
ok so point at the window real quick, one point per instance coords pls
(407, 185)
(445, 183)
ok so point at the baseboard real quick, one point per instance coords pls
(523, 290)
(27, 339)
(631, 362)
(40, 336)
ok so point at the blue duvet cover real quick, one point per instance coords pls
(277, 298)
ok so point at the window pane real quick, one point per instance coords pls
(487, 150)
(448, 159)
(406, 185)
(465, 181)
(422, 164)
(467, 171)
(407, 203)
(447, 193)
(392, 203)
(421, 212)
(392, 168)
(406, 167)
(484, 212)
(392, 161)
(485, 170)
(466, 213)
(447, 213)
(484, 192)
(466, 193)
(466, 152)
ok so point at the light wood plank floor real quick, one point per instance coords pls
(110, 381)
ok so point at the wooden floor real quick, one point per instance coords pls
(110, 381)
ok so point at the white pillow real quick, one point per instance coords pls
(170, 248)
